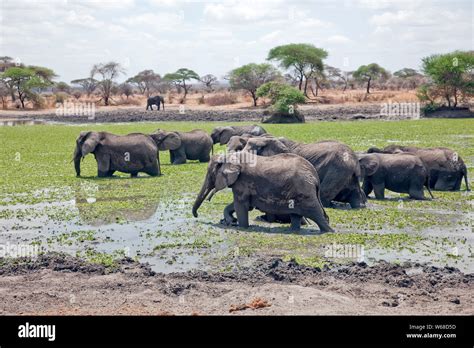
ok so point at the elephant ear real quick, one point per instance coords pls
(226, 176)
(88, 141)
(225, 134)
(171, 141)
(275, 146)
(369, 165)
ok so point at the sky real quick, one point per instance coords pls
(214, 37)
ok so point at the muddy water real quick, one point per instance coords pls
(165, 235)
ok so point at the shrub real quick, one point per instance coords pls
(284, 98)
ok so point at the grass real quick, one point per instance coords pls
(39, 189)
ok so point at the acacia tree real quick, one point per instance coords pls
(146, 81)
(452, 75)
(179, 79)
(107, 72)
(306, 60)
(208, 80)
(251, 76)
(370, 73)
(88, 84)
(26, 80)
(410, 77)
(126, 89)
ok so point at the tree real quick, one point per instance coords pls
(369, 73)
(108, 72)
(411, 78)
(284, 98)
(62, 87)
(180, 77)
(146, 81)
(251, 76)
(208, 80)
(25, 81)
(305, 59)
(452, 75)
(4, 93)
(126, 89)
(88, 84)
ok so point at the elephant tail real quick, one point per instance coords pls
(318, 194)
(464, 173)
(427, 185)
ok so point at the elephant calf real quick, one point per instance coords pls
(193, 145)
(402, 173)
(284, 184)
(222, 135)
(132, 153)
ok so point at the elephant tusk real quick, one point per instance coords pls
(211, 194)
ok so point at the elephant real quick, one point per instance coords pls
(445, 166)
(222, 135)
(131, 153)
(337, 166)
(283, 184)
(193, 145)
(156, 100)
(400, 172)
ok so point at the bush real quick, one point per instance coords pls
(284, 98)
(60, 98)
(221, 99)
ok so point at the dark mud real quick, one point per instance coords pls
(323, 113)
(65, 285)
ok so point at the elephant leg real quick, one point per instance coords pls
(318, 216)
(103, 165)
(329, 191)
(242, 211)
(379, 191)
(134, 175)
(153, 170)
(110, 173)
(229, 218)
(367, 187)
(205, 158)
(355, 200)
(295, 222)
(179, 156)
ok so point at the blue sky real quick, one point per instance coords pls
(69, 36)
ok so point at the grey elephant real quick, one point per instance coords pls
(222, 135)
(445, 166)
(284, 184)
(156, 100)
(193, 145)
(131, 153)
(401, 172)
(337, 166)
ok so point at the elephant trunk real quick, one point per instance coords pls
(206, 188)
(77, 160)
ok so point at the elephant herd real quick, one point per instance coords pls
(288, 181)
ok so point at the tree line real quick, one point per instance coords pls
(445, 79)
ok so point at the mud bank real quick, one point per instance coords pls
(310, 112)
(60, 284)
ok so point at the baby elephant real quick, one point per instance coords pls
(193, 145)
(402, 172)
(132, 153)
(285, 184)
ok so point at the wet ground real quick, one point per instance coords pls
(45, 208)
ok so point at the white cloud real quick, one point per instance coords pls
(338, 39)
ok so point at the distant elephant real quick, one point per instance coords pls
(156, 100)
(222, 135)
(132, 153)
(193, 145)
(337, 166)
(238, 142)
(401, 172)
(446, 167)
(283, 184)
